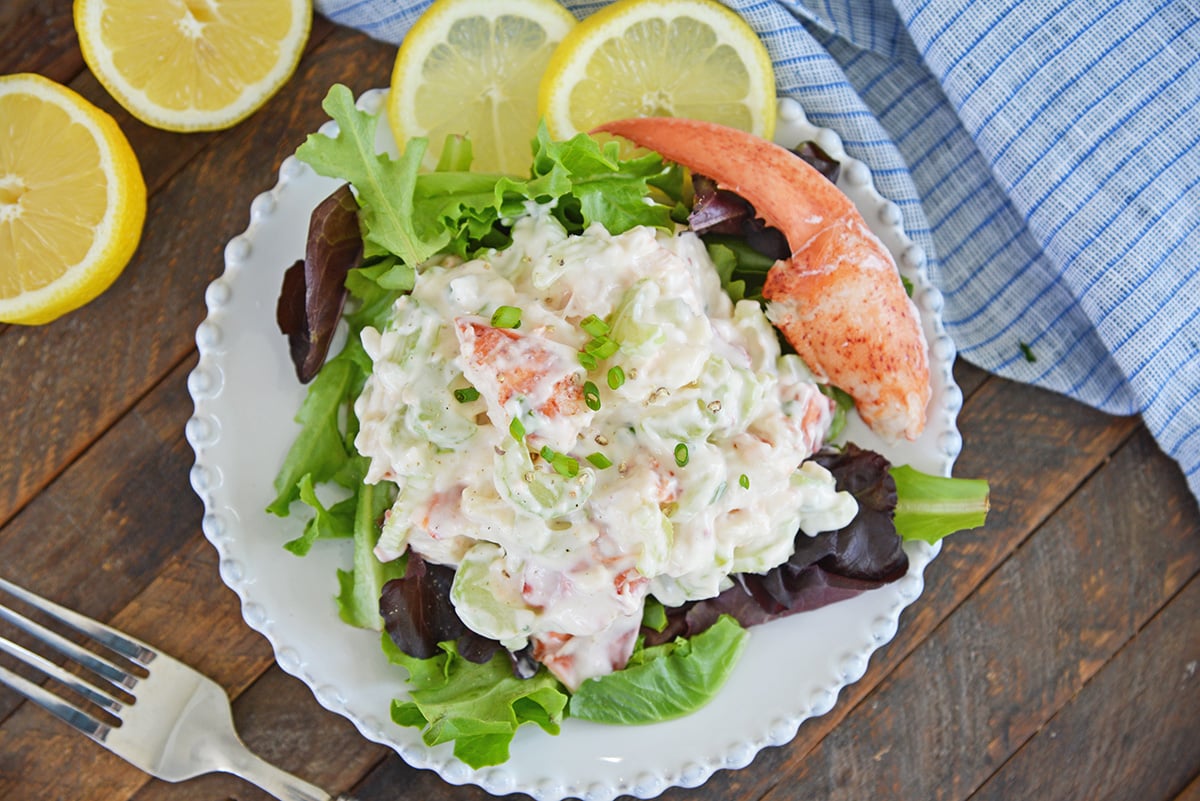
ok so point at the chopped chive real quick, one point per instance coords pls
(602, 347)
(591, 396)
(506, 317)
(1027, 352)
(681, 454)
(600, 460)
(565, 465)
(588, 361)
(466, 394)
(516, 429)
(616, 377)
(744, 481)
(594, 326)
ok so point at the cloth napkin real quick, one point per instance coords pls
(1045, 155)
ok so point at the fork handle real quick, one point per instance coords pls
(277, 782)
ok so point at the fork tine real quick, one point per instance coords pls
(52, 670)
(52, 703)
(91, 661)
(123, 644)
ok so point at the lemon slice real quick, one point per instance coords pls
(660, 58)
(472, 67)
(192, 65)
(72, 200)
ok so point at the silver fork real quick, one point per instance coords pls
(165, 718)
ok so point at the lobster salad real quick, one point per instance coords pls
(575, 454)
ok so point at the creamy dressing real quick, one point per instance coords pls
(700, 449)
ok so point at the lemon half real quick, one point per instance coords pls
(72, 200)
(660, 58)
(192, 65)
(472, 67)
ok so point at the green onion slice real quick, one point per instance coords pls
(599, 460)
(591, 396)
(466, 394)
(594, 326)
(602, 347)
(506, 317)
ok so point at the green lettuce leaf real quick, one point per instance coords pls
(726, 261)
(664, 681)
(478, 707)
(930, 507)
(319, 451)
(384, 185)
(333, 522)
(414, 215)
(359, 588)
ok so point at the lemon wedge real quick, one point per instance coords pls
(192, 65)
(660, 58)
(472, 67)
(72, 200)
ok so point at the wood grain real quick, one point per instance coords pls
(105, 527)
(1192, 791)
(1052, 655)
(39, 36)
(1131, 732)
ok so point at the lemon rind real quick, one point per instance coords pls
(119, 232)
(575, 51)
(87, 14)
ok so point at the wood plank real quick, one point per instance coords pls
(1138, 717)
(1192, 791)
(393, 772)
(1020, 648)
(83, 539)
(1036, 448)
(969, 377)
(98, 535)
(144, 325)
(39, 36)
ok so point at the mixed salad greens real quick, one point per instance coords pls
(365, 248)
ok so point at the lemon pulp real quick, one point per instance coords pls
(660, 58)
(472, 67)
(72, 200)
(192, 65)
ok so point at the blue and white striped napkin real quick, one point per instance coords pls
(1046, 156)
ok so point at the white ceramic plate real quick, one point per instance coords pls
(246, 394)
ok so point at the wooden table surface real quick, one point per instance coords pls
(1053, 655)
